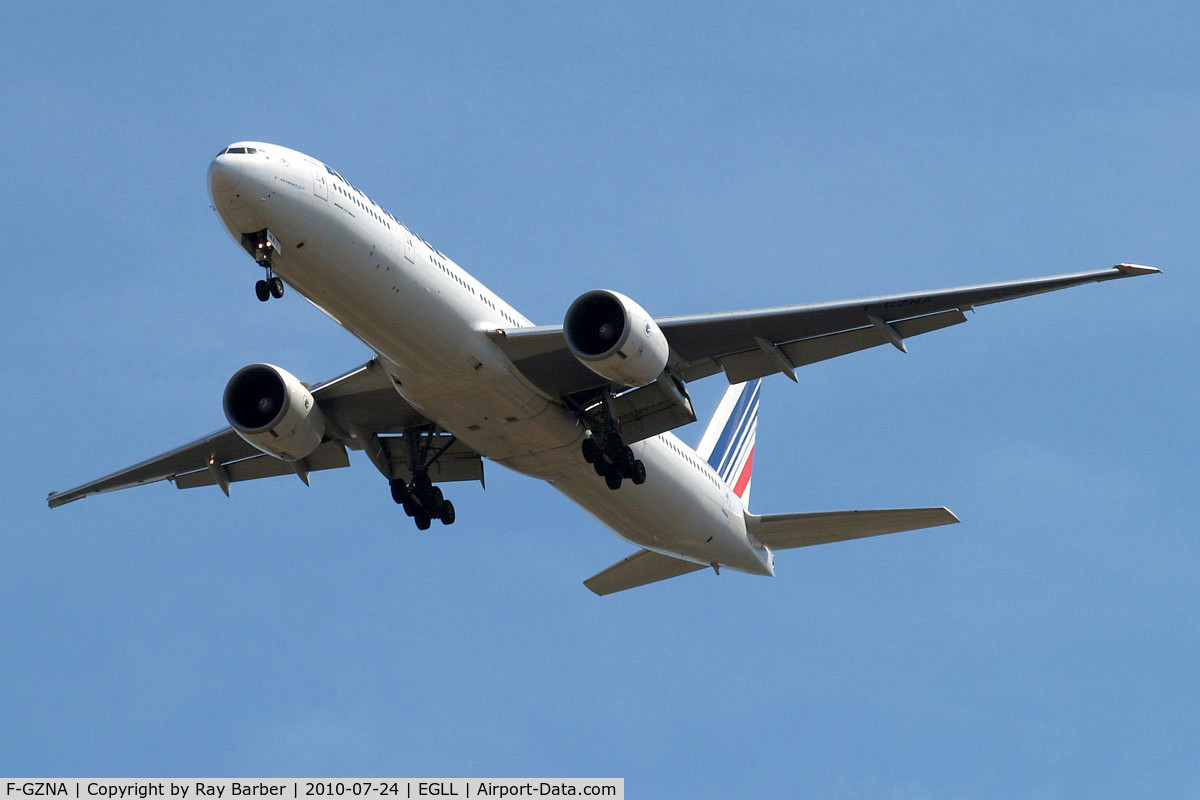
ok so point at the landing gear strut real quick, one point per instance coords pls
(612, 459)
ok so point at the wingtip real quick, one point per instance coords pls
(1138, 269)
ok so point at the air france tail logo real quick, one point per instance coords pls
(731, 437)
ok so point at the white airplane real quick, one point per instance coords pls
(459, 375)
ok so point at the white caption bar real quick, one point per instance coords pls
(392, 788)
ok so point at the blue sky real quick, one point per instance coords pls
(698, 158)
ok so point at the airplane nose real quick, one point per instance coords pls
(222, 175)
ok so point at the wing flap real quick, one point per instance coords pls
(653, 409)
(757, 363)
(639, 569)
(330, 455)
(456, 461)
(786, 531)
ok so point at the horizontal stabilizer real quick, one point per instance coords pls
(644, 566)
(785, 531)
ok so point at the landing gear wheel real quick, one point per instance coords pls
(447, 515)
(411, 506)
(276, 286)
(613, 479)
(262, 291)
(627, 458)
(591, 450)
(638, 473)
(399, 491)
(600, 467)
(436, 500)
(423, 521)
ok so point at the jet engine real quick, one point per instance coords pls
(615, 338)
(273, 411)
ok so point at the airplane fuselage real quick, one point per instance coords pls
(427, 319)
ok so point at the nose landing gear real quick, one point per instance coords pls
(261, 245)
(271, 287)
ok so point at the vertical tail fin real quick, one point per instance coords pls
(728, 441)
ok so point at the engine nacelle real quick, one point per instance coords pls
(273, 411)
(615, 338)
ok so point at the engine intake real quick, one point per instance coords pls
(272, 410)
(615, 338)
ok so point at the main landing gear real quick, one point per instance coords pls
(422, 501)
(613, 460)
(420, 498)
(604, 448)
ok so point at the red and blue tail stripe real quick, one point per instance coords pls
(728, 442)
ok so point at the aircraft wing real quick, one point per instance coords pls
(362, 400)
(751, 344)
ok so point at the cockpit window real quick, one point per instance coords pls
(239, 150)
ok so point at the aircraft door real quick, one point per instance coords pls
(320, 187)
